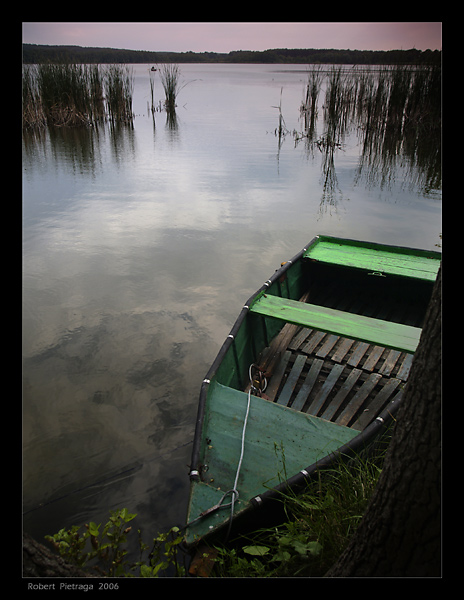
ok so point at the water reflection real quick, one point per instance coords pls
(79, 149)
(414, 153)
(330, 187)
(172, 122)
(122, 136)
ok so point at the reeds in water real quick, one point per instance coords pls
(33, 114)
(170, 80)
(309, 105)
(118, 91)
(75, 95)
(281, 130)
(396, 112)
(391, 101)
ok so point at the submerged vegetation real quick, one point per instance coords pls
(76, 95)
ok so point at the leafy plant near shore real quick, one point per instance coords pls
(105, 544)
(104, 549)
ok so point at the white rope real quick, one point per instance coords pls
(234, 490)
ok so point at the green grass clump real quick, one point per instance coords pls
(320, 522)
(170, 80)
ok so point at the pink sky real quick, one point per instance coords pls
(227, 36)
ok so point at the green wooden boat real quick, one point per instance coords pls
(313, 369)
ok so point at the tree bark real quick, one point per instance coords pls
(38, 561)
(400, 533)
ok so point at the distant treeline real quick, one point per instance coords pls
(37, 54)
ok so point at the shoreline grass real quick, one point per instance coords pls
(320, 521)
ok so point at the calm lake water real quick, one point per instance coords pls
(140, 246)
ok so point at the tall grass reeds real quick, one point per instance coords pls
(339, 104)
(170, 80)
(68, 95)
(400, 114)
(33, 114)
(152, 92)
(395, 110)
(118, 82)
(281, 130)
(309, 106)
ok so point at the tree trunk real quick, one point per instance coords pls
(38, 561)
(400, 533)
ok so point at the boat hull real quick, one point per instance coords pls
(327, 394)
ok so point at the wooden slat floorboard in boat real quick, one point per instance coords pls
(377, 404)
(327, 346)
(274, 384)
(299, 338)
(373, 358)
(357, 401)
(308, 384)
(336, 378)
(359, 351)
(342, 350)
(390, 362)
(292, 380)
(314, 340)
(403, 372)
(318, 402)
(343, 392)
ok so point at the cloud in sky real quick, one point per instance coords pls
(227, 36)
